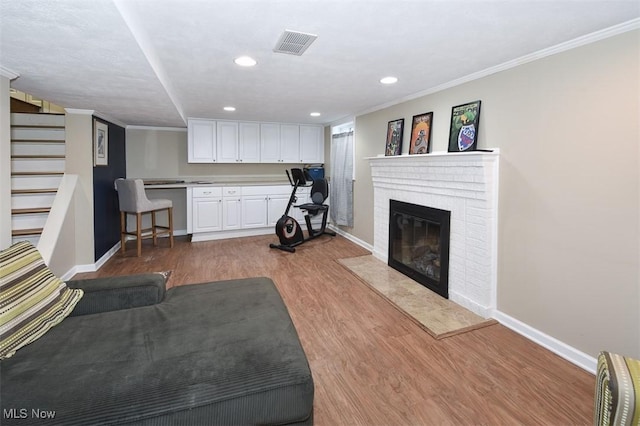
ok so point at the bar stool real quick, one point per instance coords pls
(133, 200)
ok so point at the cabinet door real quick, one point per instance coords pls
(207, 214)
(254, 211)
(289, 143)
(269, 142)
(231, 213)
(227, 135)
(311, 144)
(277, 204)
(201, 141)
(249, 143)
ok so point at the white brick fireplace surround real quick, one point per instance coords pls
(466, 184)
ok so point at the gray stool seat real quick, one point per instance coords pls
(133, 200)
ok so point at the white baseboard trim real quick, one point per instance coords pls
(561, 349)
(351, 238)
(567, 352)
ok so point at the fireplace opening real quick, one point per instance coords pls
(419, 244)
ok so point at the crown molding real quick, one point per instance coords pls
(79, 111)
(615, 30)
(10, 74)
(110, 119)
(164, 129)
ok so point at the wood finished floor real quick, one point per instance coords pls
(371, 365)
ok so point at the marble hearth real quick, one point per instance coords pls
(466, 184)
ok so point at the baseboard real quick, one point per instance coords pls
(561, 349)
(351, 238)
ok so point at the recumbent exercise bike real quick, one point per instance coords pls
(287, 228)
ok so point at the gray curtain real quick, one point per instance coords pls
(341, 188)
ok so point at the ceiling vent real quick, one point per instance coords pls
(294, 42)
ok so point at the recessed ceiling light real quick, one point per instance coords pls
(389, 80)
(315, 114)
(229, 108)
(245, 61)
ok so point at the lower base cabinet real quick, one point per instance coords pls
(228, 212)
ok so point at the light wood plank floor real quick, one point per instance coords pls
(371, 365)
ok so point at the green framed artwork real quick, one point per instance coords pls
(463, 133)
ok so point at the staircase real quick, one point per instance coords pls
(37, 166)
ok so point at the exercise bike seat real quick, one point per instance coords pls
(319, 193)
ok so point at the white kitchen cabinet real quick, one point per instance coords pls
(207, 209)
(279, 143)
(249, 142)
(227, 142)
(311, 144)
(276, 206)
(289, 143)
(231, 208)
(201, 141)
(254, 208)
(269, 142)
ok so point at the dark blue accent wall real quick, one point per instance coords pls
(106, 214)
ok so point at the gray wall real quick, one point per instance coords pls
(568, 130)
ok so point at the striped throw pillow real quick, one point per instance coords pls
(32, 298)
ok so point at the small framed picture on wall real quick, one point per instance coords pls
(421, 134)
(394, 137)
(463, 134)
(100, 143)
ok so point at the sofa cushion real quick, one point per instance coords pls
(219, 353)
(32, 298)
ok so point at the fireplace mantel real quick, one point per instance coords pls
(466, 184)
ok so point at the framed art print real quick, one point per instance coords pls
(394, 137)
(463, 134)
(421, 134)
(100, 143)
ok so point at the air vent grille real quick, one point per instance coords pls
(294, 42)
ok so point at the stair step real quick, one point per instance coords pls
(31, 211)
(37, 157)
(37, 133)
(34, 191)
(38, 141)
(24, 232)
(36, 173)
(35, 126)
(39, 119)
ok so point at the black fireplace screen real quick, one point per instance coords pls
(419, 244)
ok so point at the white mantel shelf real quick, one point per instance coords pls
(450, 155)
(466, 184)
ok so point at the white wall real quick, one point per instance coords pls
(5, 164)
(568, 130)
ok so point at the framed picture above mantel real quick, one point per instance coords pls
(421, 133)
(394, 137)
(463, 133)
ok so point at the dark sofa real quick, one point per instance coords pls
(130, 353)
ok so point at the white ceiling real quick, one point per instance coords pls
(156, 62)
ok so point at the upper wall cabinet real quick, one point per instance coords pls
(280, 143)
(252, 142)
(201, 141)
(249, 142)
(227, 135)
(311, 144)
(289, 143)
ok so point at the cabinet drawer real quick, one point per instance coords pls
(207, 192)
(231, 191)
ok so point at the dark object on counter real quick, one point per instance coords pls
(162, 181)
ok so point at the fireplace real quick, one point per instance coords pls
(419, 244)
